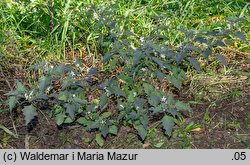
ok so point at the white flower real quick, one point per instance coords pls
(51, 66)
(48, 89)
(108, 93)
(134, 93)
(96, 16)
(163, 55)
(143, 69)
(72, 73)
(96, 107)
(137, 107)
(121, 106)
(31, 93)
(73, 95)
(88, 112)
(204, 44)
(77, 65)
(163, 99)
(102, 122)
(88, 70)
(26, 96)
(142, 39)
(134, 48)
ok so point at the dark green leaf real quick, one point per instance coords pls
(207, 52)
(68, 120)
(222, 59)
(99, 140)
(179, 57)
(131, 97)
(89, 80)
(93, 125)
(59, 70)
(137, 58)
(168, 124)
(154, 99)
(176, 82)
(93, 71)
(133, 115)
(159, 62)
(107, 57)
(40, 96)
(148, 88)
(79, 101)
(219, 43)
(44, 83)
(195, 63)
(83, 121)
(141, 131)
(157, 109)
(103, 101)
(241, 35)
(144, 119)
(29, 113)
(125, 78)
(70, 109)
(160, 75)
(200, 39)
(63, 96)
(20, 87)
(139, 102)
(105, 130)
(60, 118)
(12, 101)
(91, 108)
(113, 130)
(180, 106)
(117, 91)
(106, 114)
(172, 111)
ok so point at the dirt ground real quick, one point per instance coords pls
(221, 122)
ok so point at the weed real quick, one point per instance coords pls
(140, 45)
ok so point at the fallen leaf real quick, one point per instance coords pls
(198, 130)
(146, 145)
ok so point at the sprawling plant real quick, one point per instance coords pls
(144, 62)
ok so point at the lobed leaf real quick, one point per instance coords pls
(29, 113)
(99, 139)
(12, 101)
(195, 63)
(141, 131)
(222, 59)
(168, 124)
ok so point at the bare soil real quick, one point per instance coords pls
(223, 123)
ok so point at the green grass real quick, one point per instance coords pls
(51, 30)
(31, 31)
